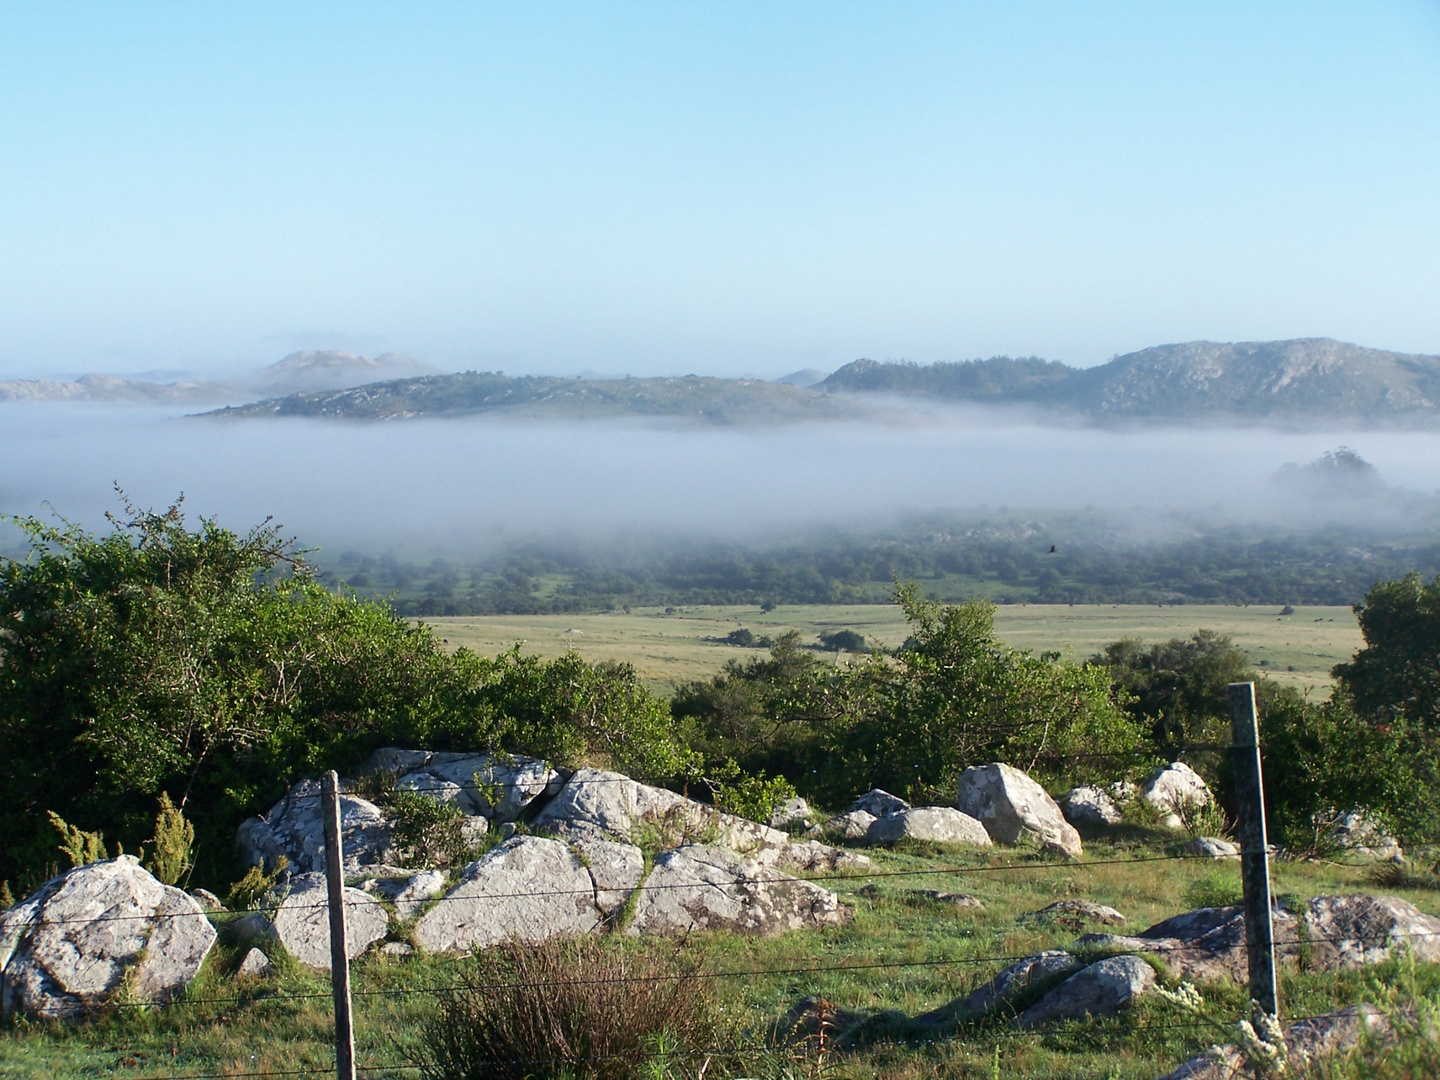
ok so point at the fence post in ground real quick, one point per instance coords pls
(1254, 847)
(339, 956)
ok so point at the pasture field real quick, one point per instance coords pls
(669, 646)
(903, 954)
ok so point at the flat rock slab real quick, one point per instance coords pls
(1079, 911)
(610, 805)
(67, 948)
(705, 887)
(301, 921)
(1015, 809)
(1339, 932)
(1102, 989)
(877, 802)
(615, 869)
(939, 824)
(530, 888)
(813, 857)
(954, 899)
(1210, 847)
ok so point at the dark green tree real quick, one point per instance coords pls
(1396, 676)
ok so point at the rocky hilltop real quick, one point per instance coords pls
(1302, 379)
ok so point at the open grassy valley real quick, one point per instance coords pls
(671, 646)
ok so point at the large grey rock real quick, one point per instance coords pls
(609, 804)
(1015, 809)
(939, 824)
(705, 887)
(1102, 989)
(877, 802)
(1339, 932)
(1090, 805)
(424, 783)
(851, 826)
(295, 828)
(301, 921)
(1175, 790)
(530, 888)
(499, 787)
(71, 945)
(1358, 930)
(1021, 976)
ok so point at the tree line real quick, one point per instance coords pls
(154, 665)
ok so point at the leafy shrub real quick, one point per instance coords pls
(657, 831)
(754, 797)
(572, 1008)
(428, 830)
(742, 637)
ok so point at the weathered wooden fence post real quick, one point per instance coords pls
(339, 954)
(1254, 846)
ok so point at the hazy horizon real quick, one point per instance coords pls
(458, 485)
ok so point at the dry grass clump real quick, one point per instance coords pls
(575, 1008)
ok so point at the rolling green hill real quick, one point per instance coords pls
(710, 400)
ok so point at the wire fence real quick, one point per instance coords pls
(848, 876)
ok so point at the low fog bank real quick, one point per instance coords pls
(460, 486)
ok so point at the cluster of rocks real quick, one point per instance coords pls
(1174, 792)
(1331, 933)
(578, 867)
(995, 804)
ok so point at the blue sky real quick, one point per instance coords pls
(718, 188)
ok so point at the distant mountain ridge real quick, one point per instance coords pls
(308, 370)
(1303, 378)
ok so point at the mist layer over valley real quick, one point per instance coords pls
(834, 510)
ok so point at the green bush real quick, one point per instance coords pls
(428, 831)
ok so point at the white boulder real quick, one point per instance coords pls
(878, 802)
(704, 887)
(529, 888)
(851, 826)
(70, 946)
(1175, 790)
(301, 921)
(295, 828)
(1015, 809)
(939, 824)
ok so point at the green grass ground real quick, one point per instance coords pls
(687, 643)
(232, 1027)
